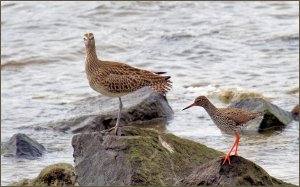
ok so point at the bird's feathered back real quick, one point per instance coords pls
(115, 78)
(240, 116)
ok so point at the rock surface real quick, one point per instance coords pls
(98, 113)
(21, 146)
(295, 112)
(146, 157)
(231, 95)
(60, 174)
(140, 157)
(241, 172)
(294, 90)
(274, 117)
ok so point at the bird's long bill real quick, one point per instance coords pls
(194, 104)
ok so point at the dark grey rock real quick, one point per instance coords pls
(98, 113)
(295, 112)
(21, 146)
(141, 157)
(100, 160)
(241, 172)
(144, 157)
(274, 117)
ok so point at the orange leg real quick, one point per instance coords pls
(236, 142)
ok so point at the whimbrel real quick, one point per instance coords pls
(115, 79)
(227, 119)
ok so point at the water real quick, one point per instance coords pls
(205, 46)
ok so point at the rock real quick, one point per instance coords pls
(147, 157)
(274, 117)
(21, 146)
(139, 157)
(241, 172)
(230, 95)
(60, 174)
(293, 91)
(295, 112)
(141, 107)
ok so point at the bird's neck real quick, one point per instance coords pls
(91, 55)
(210, 108)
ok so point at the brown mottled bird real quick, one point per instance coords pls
(115, 79)
(227, 119)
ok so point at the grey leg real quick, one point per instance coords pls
(119, 116)
(118, 119)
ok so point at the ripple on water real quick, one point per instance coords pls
(19, 64)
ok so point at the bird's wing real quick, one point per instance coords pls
(238, 115)
(124, 78)
(117, 83)
(122, 68)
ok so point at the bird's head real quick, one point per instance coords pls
(89, 39)
(199, 101)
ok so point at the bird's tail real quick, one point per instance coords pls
(160, 72)
(258, 114)
(161, 84)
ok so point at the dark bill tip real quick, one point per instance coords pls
(194, 104)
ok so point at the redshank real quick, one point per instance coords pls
(115, 79)
(230, 120)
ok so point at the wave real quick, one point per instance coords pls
(7, 4)
(16, 64)
(177, 36)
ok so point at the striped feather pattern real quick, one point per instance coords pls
(117, 79)
(227, 119)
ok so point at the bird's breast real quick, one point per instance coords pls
(225, 124)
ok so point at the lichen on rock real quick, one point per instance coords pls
(141, 152)
(145, 157)
(60, 174)
(231, 95)
(241, 172)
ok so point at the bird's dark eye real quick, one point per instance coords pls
(92, 38)
(84, 38)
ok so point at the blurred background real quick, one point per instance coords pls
(209, 48)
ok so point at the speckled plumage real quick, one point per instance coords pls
(116, 79)
(227, 119)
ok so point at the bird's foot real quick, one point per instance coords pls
(227, 157)
(111, 129)
(108, 130)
